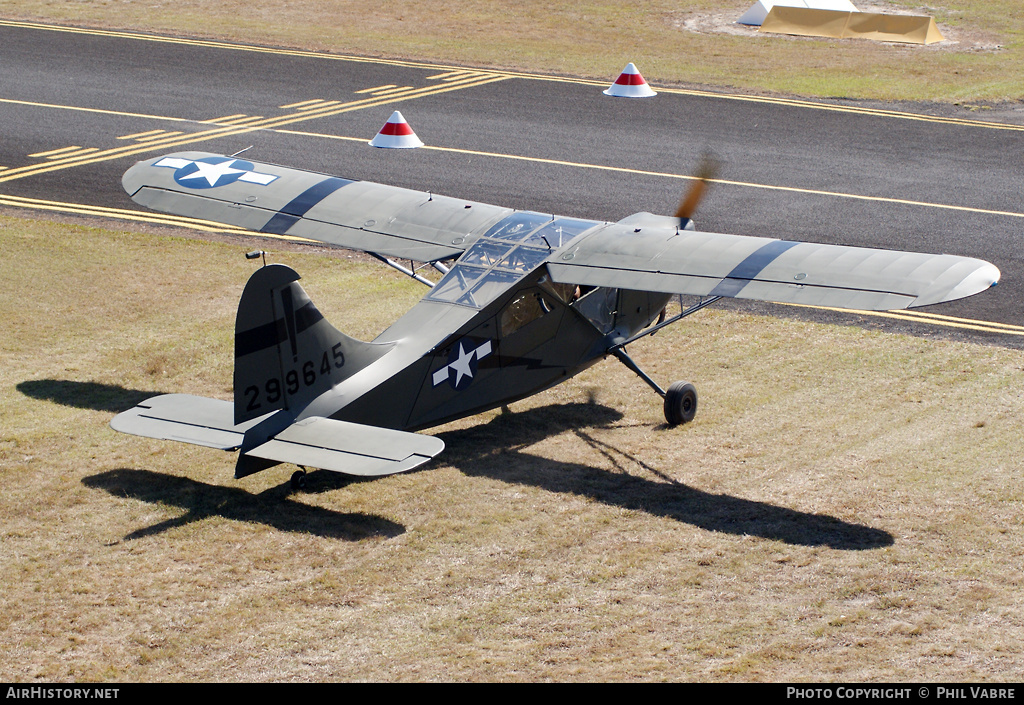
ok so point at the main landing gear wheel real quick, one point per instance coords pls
(680, 403)
(299, 480)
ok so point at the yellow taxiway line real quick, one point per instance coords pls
(459, 71)
(229, 130)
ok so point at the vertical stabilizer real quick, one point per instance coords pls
(286, 353)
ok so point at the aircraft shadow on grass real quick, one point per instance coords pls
(494, 449)
(83, 395)
(273, 507)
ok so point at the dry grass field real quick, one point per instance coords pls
(671, 41)
(847, 505)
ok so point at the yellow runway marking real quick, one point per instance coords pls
(160, 134)
(53, 152)
(298, 105)
(317, 104)
(246, 120)
(140, 135)
(792, 102)
(225, 118)
(929, 319)
(684, 177)
(234, 130)
(746, 184)
(390, 91)
(174, 139)
(82, 151)
(137, 216)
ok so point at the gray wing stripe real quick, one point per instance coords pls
(300, 205)
(749, 268)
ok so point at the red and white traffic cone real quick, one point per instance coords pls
(630, 84)
(396, 134)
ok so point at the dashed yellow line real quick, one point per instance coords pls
(159, 134)
(80, 152)
(141, 135)
(299, 105)
(53, 152)
(318, 104)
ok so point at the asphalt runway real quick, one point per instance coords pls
(78, 107)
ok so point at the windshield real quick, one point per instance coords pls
(512, 248)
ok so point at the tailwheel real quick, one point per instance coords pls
(299, 479)
(680, 403)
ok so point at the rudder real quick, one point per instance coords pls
(286, 353)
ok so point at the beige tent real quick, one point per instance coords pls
(915, 29)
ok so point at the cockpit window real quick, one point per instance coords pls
(559, 232)
(512, 248)
(517, 226)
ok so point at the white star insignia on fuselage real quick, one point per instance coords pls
(462, 364)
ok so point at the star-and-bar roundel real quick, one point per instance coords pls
(463, 362)
(210, 172)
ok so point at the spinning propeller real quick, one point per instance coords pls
(707, 171)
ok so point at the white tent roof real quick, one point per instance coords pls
(760, 9)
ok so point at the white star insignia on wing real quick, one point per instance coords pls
(211, 172)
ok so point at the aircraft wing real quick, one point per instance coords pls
(277, 200)
(712, 264)
(328, 444)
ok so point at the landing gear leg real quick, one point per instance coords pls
(680, 399)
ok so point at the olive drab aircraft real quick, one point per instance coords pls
(524, 301)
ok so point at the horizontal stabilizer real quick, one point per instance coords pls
(349, 448)
(186, 418)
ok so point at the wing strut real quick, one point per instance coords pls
(654, 329)
(681, 397)
(404, 270)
